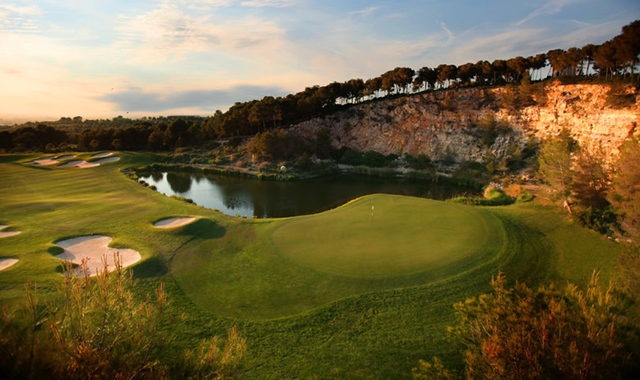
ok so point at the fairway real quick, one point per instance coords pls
(385, 235)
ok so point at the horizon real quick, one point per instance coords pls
(161, 58)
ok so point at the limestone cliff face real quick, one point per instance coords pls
(444, 124)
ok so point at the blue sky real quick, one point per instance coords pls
(104, 58)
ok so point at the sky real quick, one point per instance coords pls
(134, 58)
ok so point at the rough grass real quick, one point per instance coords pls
(309, 308)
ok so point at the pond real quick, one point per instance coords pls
(248, 197)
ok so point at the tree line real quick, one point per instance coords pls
(615, 58)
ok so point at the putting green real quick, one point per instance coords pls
(383, 235)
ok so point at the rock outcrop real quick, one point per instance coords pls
(443, 124)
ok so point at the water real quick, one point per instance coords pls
(248, 197)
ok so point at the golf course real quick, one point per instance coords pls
(364, 290)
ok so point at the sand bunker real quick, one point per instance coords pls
(92, 164)
(96, 250)
(6, 263)
(4, 234)
(53, 160)
(105, 158)
(71, 163)
(173, 222)
(110, 159)
(46, 161)
(103, 154)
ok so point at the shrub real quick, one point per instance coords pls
(351, 157)
(96, 328)
(549, 333)
(215, 359)
(374, 159)
(493, 191)
(304, 162)
(525, 196)
(493, 196)
(418, 163)
(601, 220)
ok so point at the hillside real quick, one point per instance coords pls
(444, 124)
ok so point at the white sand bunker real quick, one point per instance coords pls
(46, 161)
(92, 164)
(96, 250)
(6, 263)
(52, 160)
(4, 234)
(103, 154)
(71, 163)
(173, 222)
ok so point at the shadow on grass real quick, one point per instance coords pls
(152, 267)
(4, 159)
(63, 266)
(203, 229)
(55, 250)
(38, 167)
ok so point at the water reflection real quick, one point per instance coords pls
(272, 199)
(180, 182)
(157, 176)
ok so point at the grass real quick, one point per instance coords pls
(341, 294)
(400, 236)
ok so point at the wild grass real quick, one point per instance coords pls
(342, 294)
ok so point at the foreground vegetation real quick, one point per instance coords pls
(306, 312)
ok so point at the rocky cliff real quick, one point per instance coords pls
(445, 123)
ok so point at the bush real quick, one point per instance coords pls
(304, 162)
(525, 196)
(601, 220)
(493, 191)
(95, 328)
(351, 157)
(493, 196)
(418, 163)
(374, 159)
(549, 333)
(215, 359)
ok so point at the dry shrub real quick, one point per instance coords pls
(513, 190)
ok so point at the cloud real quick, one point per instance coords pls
(365, 12)
(198, 101)
(501, 45)
(244, 3)
(168, 33)
(18, 19)
(30, 10)
(449, 33)
(268, 3)
(41, 90)
(217, 3)
(474, 44)
(549, 8)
